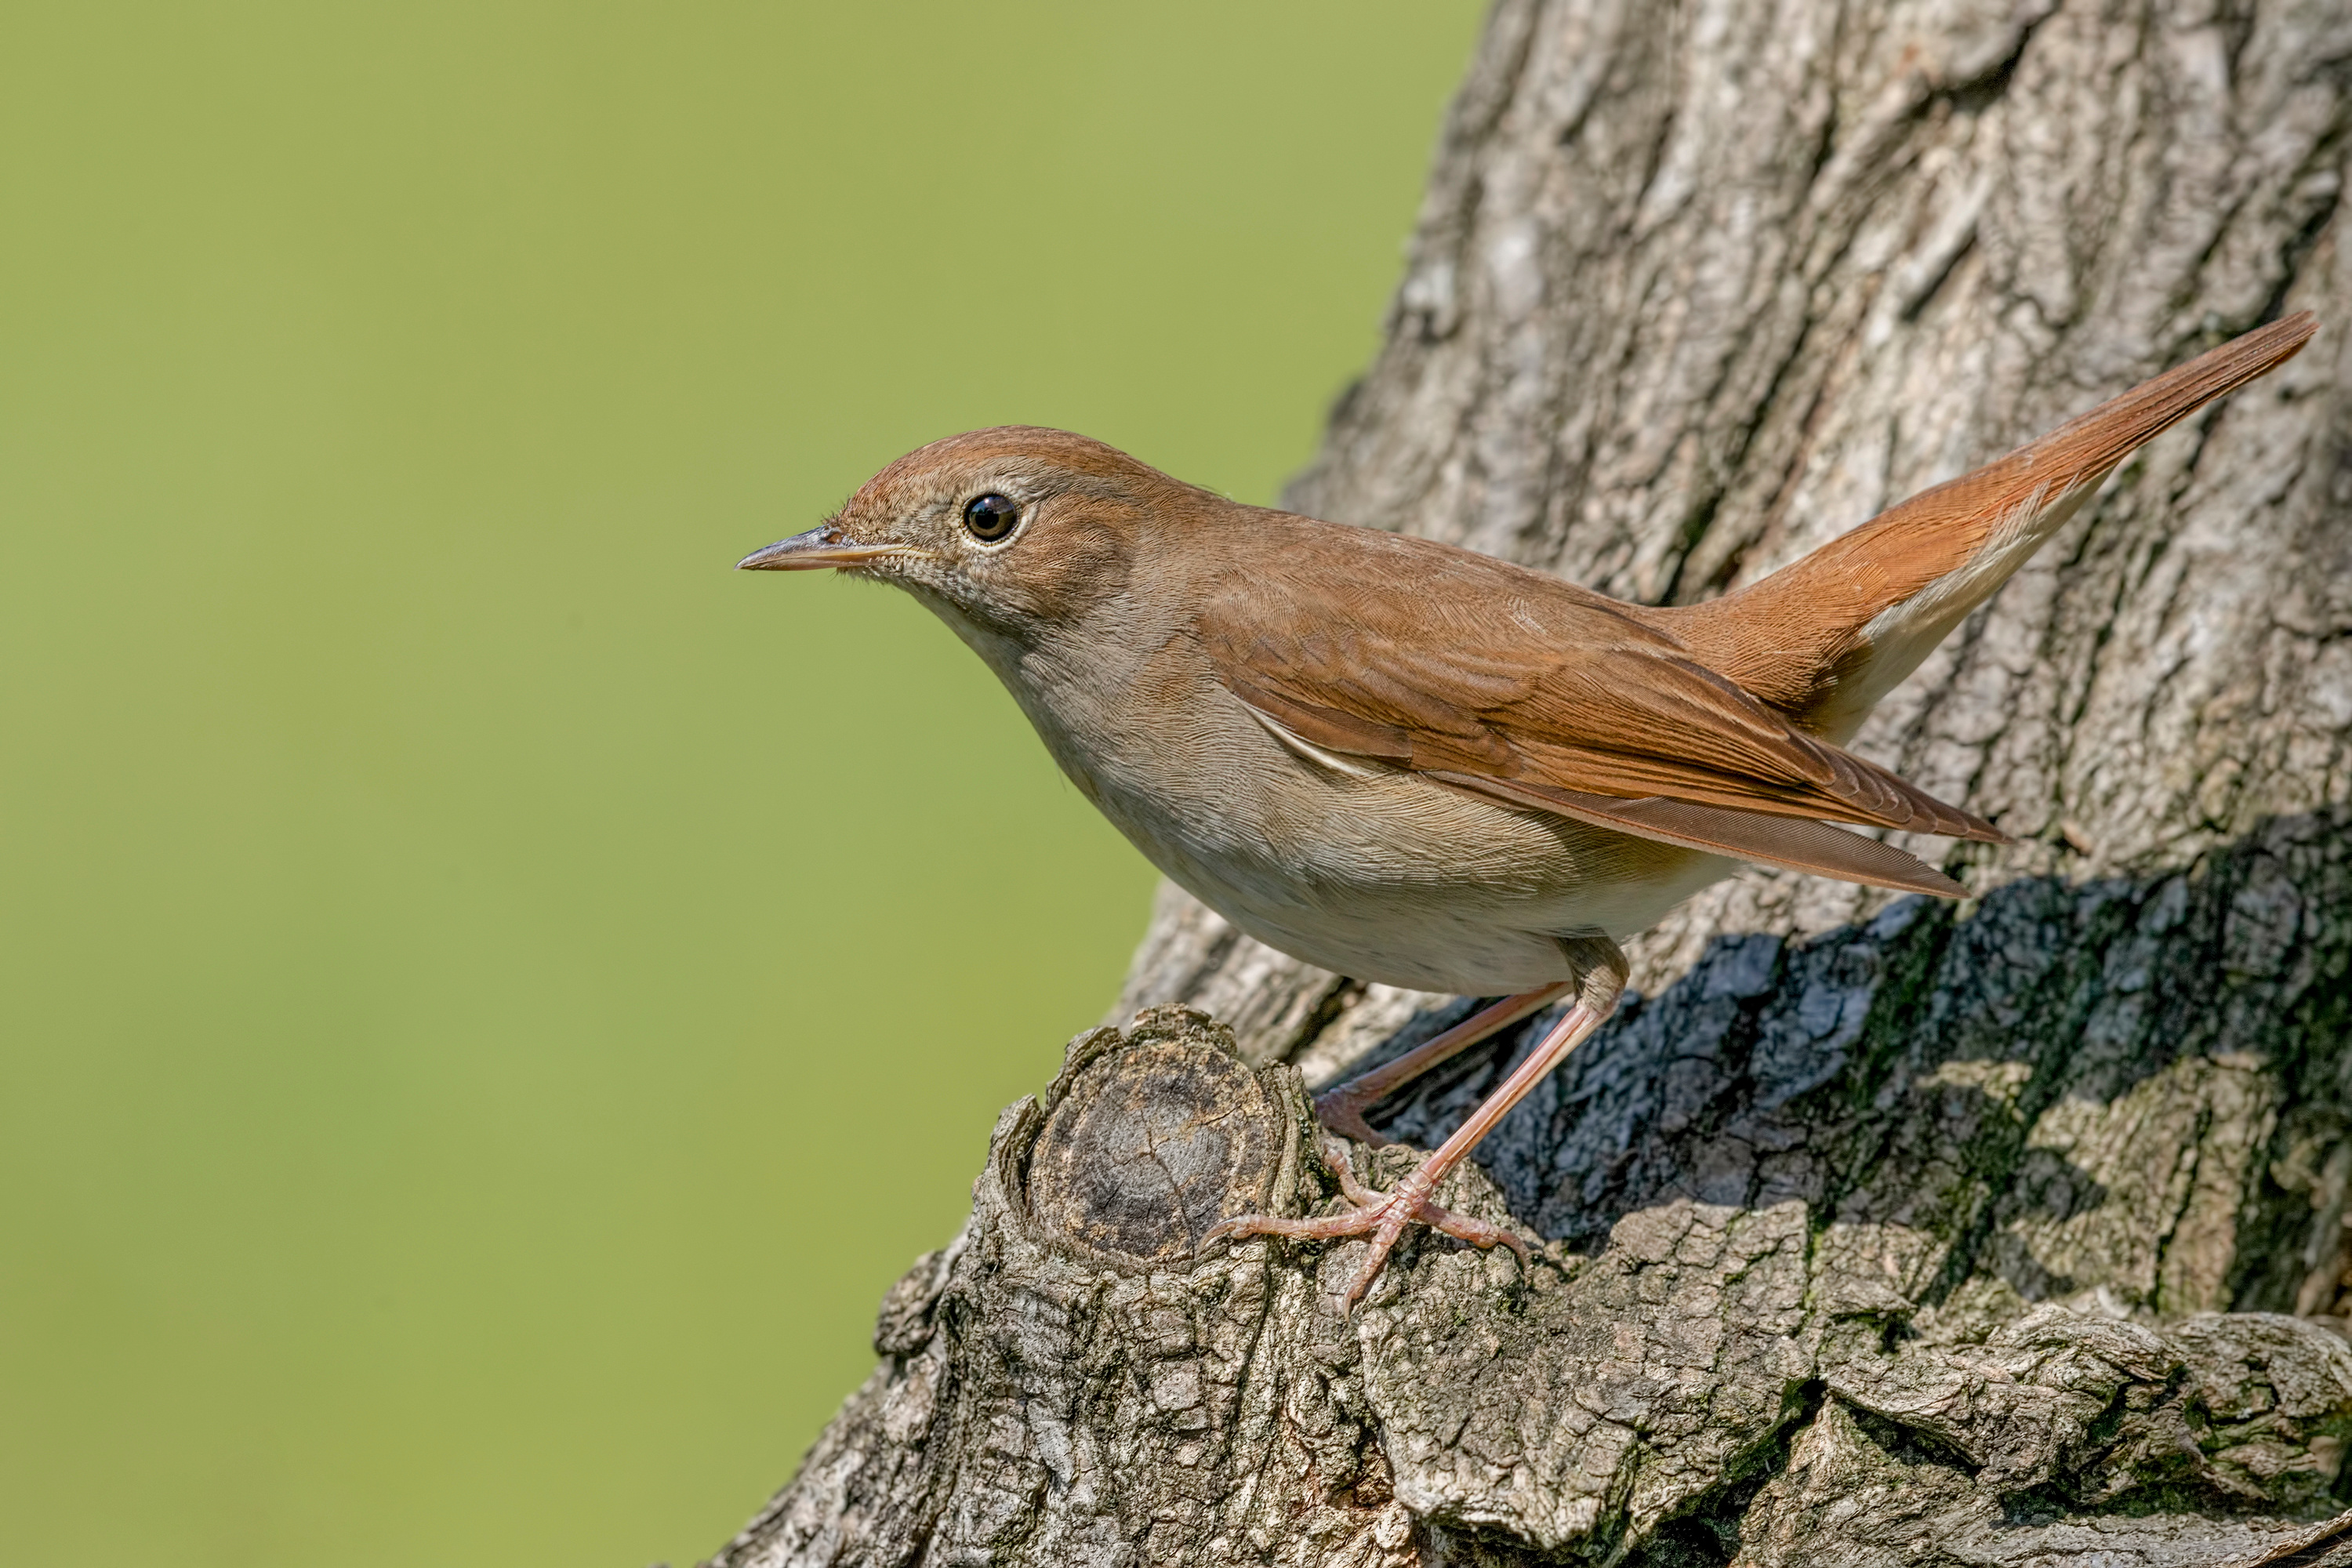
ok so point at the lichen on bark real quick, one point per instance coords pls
(1870, 1232)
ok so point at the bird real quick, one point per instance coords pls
(1408, 762)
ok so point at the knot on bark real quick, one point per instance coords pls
(1151, 1138)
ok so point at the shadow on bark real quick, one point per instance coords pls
(1911, 1243)
(1934, 1072)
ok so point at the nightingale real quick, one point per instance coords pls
(1405, 761)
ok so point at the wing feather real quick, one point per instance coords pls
(1548, 697)
(1804, 845)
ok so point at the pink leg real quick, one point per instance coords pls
(1382, 1218)
(1342, 1108)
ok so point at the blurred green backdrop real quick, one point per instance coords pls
(489, 998)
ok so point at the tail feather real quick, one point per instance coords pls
(1826, 637)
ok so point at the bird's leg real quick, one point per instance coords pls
(1341, 1108)
(1381, 1217)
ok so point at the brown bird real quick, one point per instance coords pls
(1408, 762)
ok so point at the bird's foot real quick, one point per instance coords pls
(1380, 1217)
(1342, 1111)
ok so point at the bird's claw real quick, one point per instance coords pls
(1379, 1216)
(1342, 1111)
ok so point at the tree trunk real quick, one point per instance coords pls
(1876, 1231)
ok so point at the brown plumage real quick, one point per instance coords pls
(1553, 698)
(1409, 763)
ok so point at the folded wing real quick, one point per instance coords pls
(1530, 690)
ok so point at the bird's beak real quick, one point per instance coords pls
(821, 546)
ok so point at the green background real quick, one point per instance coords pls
(489, 998)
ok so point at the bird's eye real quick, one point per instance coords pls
(990, 517)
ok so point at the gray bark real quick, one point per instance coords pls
(1872, 1231)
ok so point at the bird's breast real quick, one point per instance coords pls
(1374, 872)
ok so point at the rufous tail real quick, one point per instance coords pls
(1826, 637)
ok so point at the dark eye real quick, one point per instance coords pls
(991, 518)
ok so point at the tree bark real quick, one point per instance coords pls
(1873, 1231)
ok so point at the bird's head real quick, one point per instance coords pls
(1018, 530)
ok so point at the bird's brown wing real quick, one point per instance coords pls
(1528, 690)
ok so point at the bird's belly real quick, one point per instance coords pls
(1465, 943)
(1394, 879)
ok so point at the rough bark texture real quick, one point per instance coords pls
(1874, 1232)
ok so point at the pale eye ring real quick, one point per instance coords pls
(991, 517)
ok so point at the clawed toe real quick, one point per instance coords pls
(1343, 1113)
(1476, 1232)
(1379, 1216)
